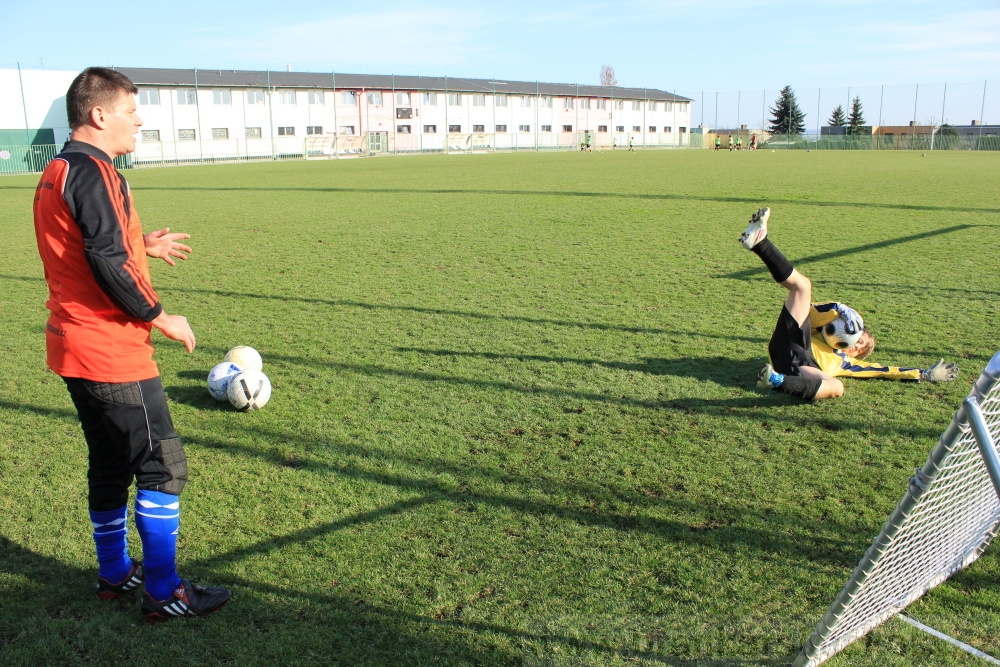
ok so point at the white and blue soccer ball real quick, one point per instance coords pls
(249, 390)
(836, 336)
(246, 357)
(219, 378)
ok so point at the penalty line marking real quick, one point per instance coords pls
(951, 640)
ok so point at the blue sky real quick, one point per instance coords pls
(677, 45)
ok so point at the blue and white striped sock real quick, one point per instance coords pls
(110, 537)
(158, 519)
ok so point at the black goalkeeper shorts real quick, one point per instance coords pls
(791, 345)
(129, 436)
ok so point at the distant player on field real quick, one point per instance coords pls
(718, 142)
(802, 363)
(103, 307)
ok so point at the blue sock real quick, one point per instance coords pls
(112, 547)
(776, 379)
(158, 518)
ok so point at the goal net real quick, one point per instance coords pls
(947, 517)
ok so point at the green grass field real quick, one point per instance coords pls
(514, 417)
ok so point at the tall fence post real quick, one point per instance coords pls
(982, 111)
(819, 131)
(878, 138)
(716, 110)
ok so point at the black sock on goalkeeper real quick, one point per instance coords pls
(776, 263)
(805, 388)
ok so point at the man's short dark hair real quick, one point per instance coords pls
(95, 87)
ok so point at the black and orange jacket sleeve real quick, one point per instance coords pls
(99, 201)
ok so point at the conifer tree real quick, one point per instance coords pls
(857, 119)
(838, 119)
(786, 116)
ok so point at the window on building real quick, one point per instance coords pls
(602, 128)
(682, 129)
(454, 128)
(653, 106)
(585, 103)
(546, 128)
(314, 129)
(619, 105)
(317, 97)
(187, 96)
(430, 129)
(186, 135)
(668, 129)
(349, 97)
(524, 128)
(636, 128)
(567, 103)
(619, 128)
(501, 100)
(567, 128)
(430, 99)
(602, 104)
(151, 135)
(545, 102)
(478, 128)
(668, 106)
(403, 99)
(288, 97)
(525, 101)
(255, 97)
(478, 100)
(149, 96)
(454, 99)
(286, 131)
(652, 129)
(404, 112)
(375, 98)
(253, 133)
(220, 132)
(347, 129)
(636, 105)
(403, 129)
(501, 128)
(222, 97)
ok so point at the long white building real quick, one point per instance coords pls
(226, 114)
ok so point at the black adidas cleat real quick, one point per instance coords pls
(109, 591)
(188, 600)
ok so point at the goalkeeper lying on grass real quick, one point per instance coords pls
(803, 364)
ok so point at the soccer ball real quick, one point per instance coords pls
(245, 357)
(219, 377)
(836, 336)
(249, 390)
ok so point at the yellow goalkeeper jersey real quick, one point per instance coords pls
(836, 363)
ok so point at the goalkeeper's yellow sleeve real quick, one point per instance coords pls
(821, 314)
(838, 364)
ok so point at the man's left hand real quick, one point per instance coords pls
(164, 245)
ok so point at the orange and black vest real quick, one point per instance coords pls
(100, 295)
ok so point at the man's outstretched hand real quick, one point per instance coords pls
(940, 372)
(163, 244)
(175, 327)
(851, 317)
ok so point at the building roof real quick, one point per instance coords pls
(142, 76)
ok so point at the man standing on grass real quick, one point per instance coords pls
(103, 308)
(802, 363)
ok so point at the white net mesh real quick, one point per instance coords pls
(937, 529)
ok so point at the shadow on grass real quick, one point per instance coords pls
(720, 370)
(755, 201)
(720, 528)
(261, 615)
(746, 274)
(597, 326)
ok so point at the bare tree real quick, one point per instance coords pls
(608, 76)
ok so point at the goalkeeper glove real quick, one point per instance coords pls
(850, 317)
(940, 372)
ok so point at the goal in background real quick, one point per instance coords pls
(947, 517)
